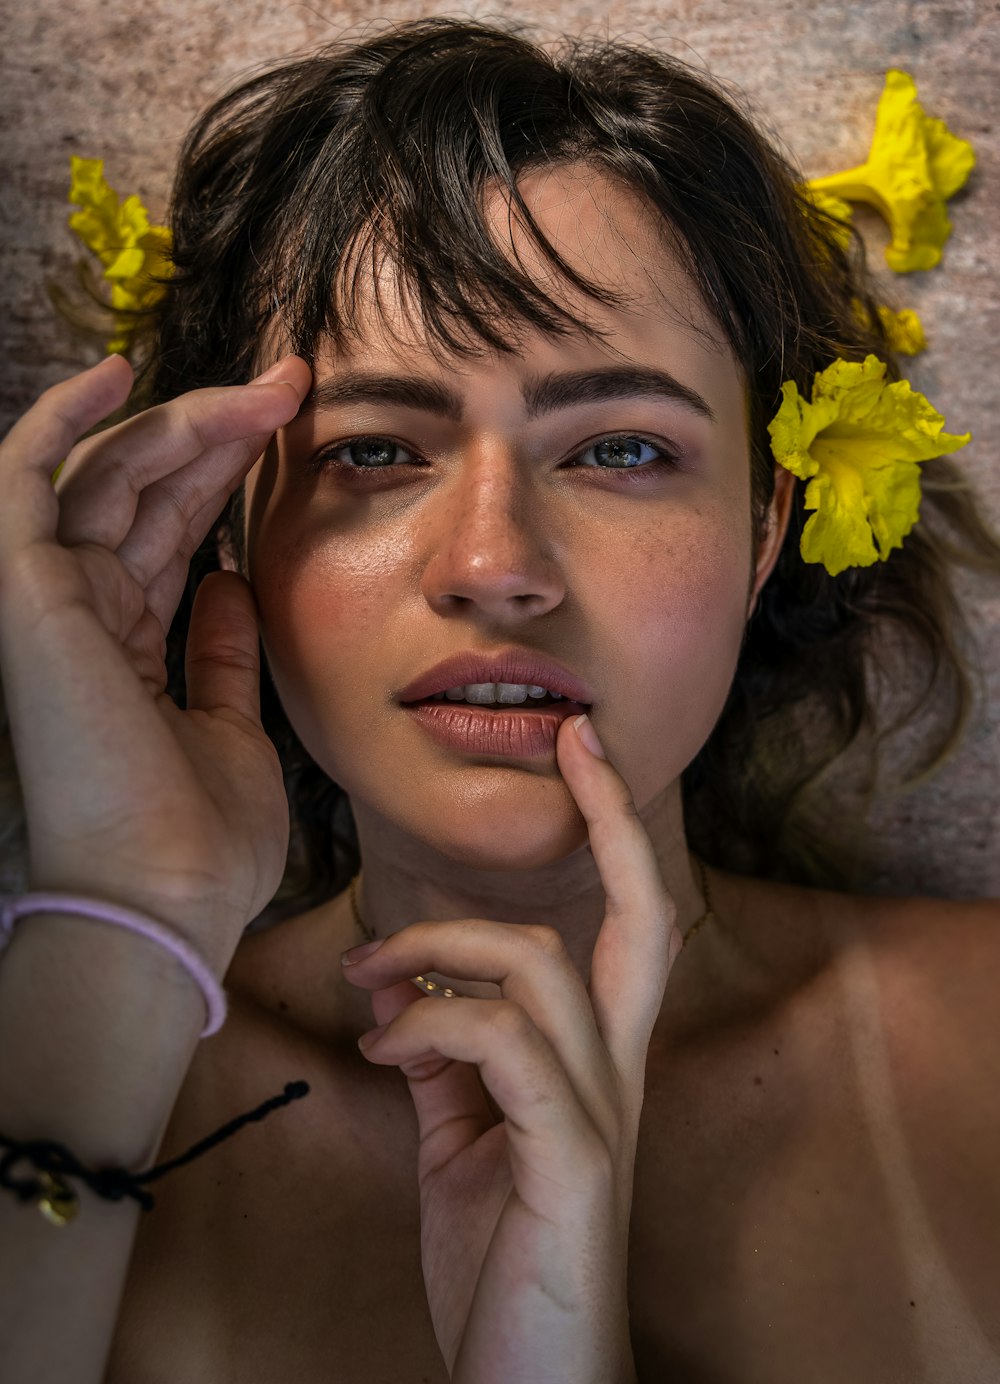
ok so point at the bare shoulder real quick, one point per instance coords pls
(932, 967)
(291, 970)
(925, 975)
(913, 979)
(925, 922)
(944, 954)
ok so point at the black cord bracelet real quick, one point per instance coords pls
(57, 1200)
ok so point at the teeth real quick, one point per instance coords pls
(488, 693)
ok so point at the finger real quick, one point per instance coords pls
(222, 656)
(157, 605)
(186, 451)
(639, 941)
(164, 592)
(552, 1140)
(153, 529)
(40, 440)
(146, 646)
(174, 515)
(456, 1111)
(452, 1112)
(533, 969)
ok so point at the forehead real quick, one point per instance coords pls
(604, 230)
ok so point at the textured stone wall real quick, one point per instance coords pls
(123, 81)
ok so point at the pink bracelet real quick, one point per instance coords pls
(16, 907)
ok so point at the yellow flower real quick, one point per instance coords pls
(858, 442)
(915, 163)
(835, 207)
(904, 329)
(130, 249)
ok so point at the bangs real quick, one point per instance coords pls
(308, 189)
(399, 189)
(461, 304)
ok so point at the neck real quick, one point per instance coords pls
(403, 882)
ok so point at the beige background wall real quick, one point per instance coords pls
(121, 81)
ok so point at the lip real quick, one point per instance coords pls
(505, 665)
(510, 733)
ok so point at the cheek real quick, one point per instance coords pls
(322, 622)
(677, 618)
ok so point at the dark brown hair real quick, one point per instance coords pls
(323, 164)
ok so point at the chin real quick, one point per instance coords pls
(503, 840)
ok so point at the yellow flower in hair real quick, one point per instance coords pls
(858, 441)
(835, 207)
(914, 165)
(130, 249)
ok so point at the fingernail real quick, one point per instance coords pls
(269, 375)
(353, 954)
(366, 1039)
(585, 730)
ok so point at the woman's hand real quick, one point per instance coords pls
(524, 1223)
(181, 813)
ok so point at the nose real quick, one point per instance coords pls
(492, 541)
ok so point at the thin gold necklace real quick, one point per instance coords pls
(431, 987)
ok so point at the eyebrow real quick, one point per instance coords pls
(541, 395)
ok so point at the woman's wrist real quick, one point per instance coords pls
(97, 1031)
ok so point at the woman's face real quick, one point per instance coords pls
(501, 519)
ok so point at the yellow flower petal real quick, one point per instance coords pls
(96, 223)
(855, 505)
(134, 253)
(951, 159)
(904, 330)
(858, 442)
(127, 264)
(915, 163)
(835, 207)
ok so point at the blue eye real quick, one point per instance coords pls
(365, 453)
(622, 453)
(619, 453)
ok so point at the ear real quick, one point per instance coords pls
(778, 514)
(227, 559)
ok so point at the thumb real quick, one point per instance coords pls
(222, 657)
